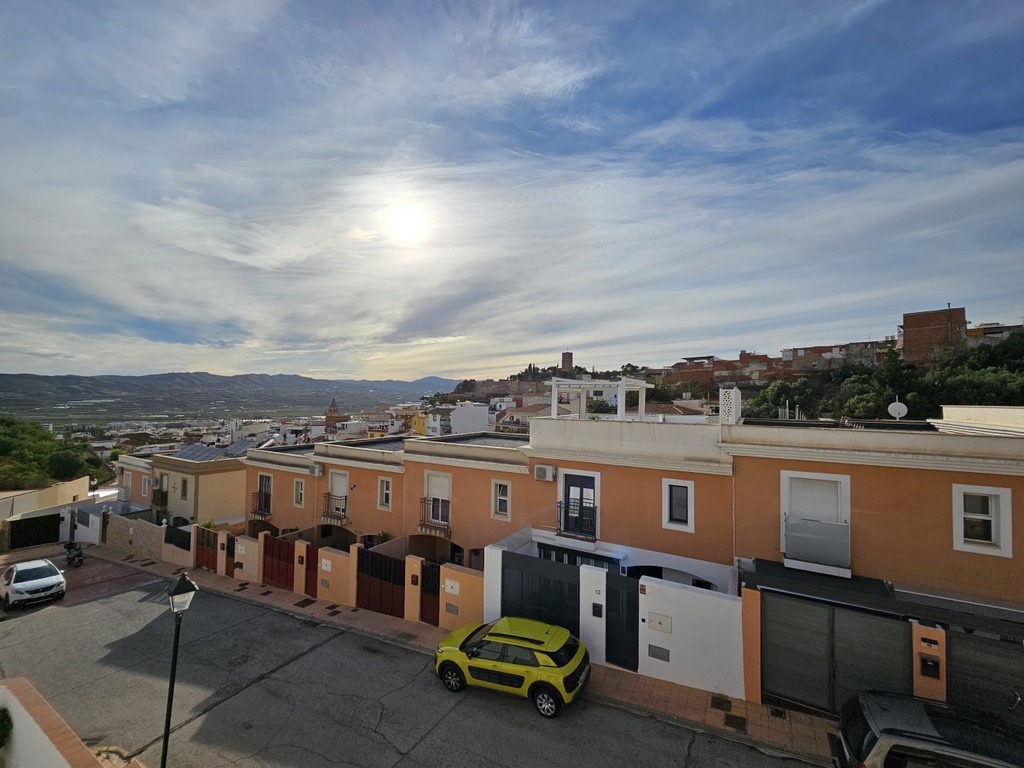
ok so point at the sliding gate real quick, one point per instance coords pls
(380, 586)
(540, 589)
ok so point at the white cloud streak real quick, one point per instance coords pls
(207, 189)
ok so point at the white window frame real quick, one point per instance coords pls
(1001, 507)
(784, 502)
(126, 482)
(146, 482)
(184, 489)
(666, 509)
(384, 490)
(299, 492)
(496, 498)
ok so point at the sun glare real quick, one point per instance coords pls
(406, 224)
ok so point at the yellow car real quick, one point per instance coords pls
(522, 657)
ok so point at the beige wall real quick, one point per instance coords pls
(901, 525)
(220, 495)
(462, 589)
(338, 575)
(135, 537)
(44, 498)
(247, 552)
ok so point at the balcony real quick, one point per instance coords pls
(817, 545)
(435, 517)
(577, 520)
(335, 510)
(260, 509)
(159, 500)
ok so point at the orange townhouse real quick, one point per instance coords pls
(886, 555)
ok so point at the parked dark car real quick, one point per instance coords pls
(884, 730)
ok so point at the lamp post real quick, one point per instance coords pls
(180, 593)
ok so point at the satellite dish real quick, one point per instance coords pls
(897, 410)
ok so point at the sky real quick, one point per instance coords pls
(374, 190)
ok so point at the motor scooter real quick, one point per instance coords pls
(73, 554)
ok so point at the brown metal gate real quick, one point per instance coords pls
(206, 549)
(312, 570)
(430, 594)
(279, 563)
(381, 583)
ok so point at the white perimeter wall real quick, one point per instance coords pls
(701, 631)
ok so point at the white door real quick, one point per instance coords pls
(339, 492)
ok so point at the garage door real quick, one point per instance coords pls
(818, 655)
(986, 674)
(33, 531)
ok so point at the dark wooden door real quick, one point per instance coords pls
(430, 594)
(279, 563)
(312, 571)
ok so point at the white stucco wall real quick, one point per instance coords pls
(592, 629)
(29, 746)
(701, 631)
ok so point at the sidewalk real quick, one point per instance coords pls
(769, 728)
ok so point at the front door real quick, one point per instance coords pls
(579, 506)
(339, 493)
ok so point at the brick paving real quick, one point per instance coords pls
(771, 728)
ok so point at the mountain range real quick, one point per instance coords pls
(199, 395)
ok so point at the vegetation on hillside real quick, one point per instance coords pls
(986, 375)
(31, 457)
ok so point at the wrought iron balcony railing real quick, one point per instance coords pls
(577, 520)
(435, 516)
(260, 505)
(335, 510)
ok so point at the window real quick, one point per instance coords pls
(515, 654)
(384, 493)
(146, 481)
(126, 482)
(184, 488)
(815, 522)
(500, 499)
(981, 520)
(299, 493)
(677, 505)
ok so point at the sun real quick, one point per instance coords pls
(406, 224)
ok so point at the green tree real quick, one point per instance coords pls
(66, 465)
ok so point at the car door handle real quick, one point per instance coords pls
(1016, 701)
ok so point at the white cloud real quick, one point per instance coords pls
(210, 191)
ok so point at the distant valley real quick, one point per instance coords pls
(102, 399)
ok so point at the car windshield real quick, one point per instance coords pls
(37, 572)
(477, 635)
(565, 654)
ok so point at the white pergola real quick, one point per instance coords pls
(585, 386)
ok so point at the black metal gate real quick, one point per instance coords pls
(986, 674)
(820, 655)
(540, 589)
(430, 594)
(380, 585)
(622, 626)
(32, 531)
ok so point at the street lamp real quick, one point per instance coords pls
(180, 593)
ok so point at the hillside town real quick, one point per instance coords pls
(786, 563)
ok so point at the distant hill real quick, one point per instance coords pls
(198, 395)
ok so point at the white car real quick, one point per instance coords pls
(30, 581)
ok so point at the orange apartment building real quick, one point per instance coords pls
(789, 563)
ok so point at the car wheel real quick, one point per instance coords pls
(547, 701)
(59, 596)
(452, 678)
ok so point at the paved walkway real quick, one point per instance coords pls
(769, 728)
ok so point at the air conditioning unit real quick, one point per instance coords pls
(544, 472)
(316, 470)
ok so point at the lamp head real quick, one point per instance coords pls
(181, 593)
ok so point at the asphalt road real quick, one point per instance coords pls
(257, 688)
